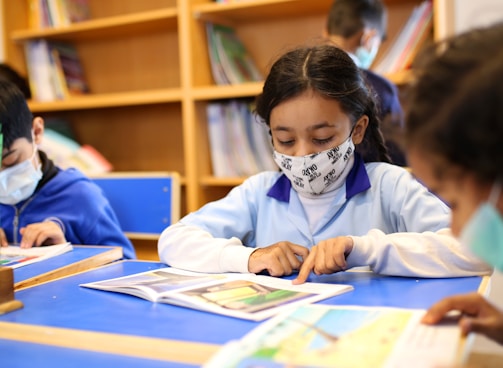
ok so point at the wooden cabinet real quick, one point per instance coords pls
(148, 69)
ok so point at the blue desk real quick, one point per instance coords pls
(15, 354)
(62, 304)
(81, 258)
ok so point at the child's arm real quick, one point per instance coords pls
(191, 248)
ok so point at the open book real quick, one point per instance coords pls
(343, 336)
(246, 296)
(13, 256)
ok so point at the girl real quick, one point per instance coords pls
(336, 203)
(457, 151)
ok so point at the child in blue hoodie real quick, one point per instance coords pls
(40, 204)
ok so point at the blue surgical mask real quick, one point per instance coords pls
(365, 57)
(483, 233)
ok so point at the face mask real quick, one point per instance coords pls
(484, 231)
(18, 182)
(365, 57)
(312, 174)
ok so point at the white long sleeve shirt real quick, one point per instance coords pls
(398, 227)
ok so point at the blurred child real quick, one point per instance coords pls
(454, 134)
(359, 27)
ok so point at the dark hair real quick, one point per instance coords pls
(9, 74)
(347, 17)
(330, 72)
(15, 116)
(456, 107)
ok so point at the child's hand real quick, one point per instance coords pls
(3, 238)
(278, 259)
(41, 233)
(328, 256)
(478, 315)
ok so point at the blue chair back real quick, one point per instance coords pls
(145, 203)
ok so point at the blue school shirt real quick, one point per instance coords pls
(398, 227)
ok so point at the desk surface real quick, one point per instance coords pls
(62, 305)
(15, 354)
(81, 258)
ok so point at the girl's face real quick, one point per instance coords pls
(460, 189)
(310, 123)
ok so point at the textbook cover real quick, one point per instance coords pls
(344, 337)
(245, 296)
(13, 256)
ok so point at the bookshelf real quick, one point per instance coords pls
(150, 78)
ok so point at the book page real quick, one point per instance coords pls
(13, 256)
(246, 296)
(343, 336)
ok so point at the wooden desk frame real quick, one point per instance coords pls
(111, 255)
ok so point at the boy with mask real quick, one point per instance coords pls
(358, 27)
(41, 204)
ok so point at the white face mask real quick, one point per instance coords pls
(313, 174)
(18, 182)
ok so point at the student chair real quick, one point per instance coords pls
(145, 203)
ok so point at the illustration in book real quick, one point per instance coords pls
(342, 336)
(13, 256)
(245, 296)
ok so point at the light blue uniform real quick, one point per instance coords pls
(397, 226)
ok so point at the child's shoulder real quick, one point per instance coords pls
(387, 173)
(71, 180)
(260, 183)
(263, 178)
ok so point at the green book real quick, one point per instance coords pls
(236, 61)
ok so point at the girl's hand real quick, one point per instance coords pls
(3, 238)
(278, 259)
(41, 233)
(477, 315)
(328, 256)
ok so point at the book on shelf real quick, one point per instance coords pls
(54, 70)
(217, 69)
(239, 144)
(57, 13)
(14, 256)
(245, 162)
(67, 153)
(260, 140)
(244, 296)
(407, 43)
(219, 152)
(231, 62)
(343, 336)
(69, 66)
(41, 77)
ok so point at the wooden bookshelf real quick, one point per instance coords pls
(150, 78)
